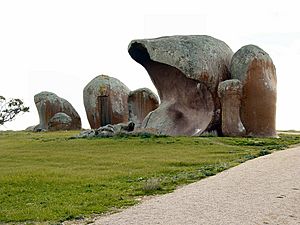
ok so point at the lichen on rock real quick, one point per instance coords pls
(186, 71)
(60, 121)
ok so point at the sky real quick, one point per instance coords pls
(61, 45)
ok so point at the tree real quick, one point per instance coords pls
(9, 109)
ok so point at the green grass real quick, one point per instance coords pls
(50, 177)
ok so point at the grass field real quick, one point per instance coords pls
(50, 177)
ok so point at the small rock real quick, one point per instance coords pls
(124, 127)
(60, 121)
(86, 134)
(106, 129)
(31, 128)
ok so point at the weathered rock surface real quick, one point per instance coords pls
(140, 103)
(60, 121)
(256, 71)
(230, 93)
(48, 104)
(124, 127)
(186, 71)
(105, 101)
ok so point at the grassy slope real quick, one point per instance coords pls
(48, 177)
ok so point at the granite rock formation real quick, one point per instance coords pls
(186, 70)
(140, 103)
(256, 71)
(230, 93)
(48, 104)
(105, 101)
(60, 121)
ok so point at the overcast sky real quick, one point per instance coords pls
(59, 46)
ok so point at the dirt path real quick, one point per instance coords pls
(265, 190)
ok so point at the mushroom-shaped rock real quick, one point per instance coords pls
(105, 101)
(186, 71)
(256, 71)
(60, 121)
(230, 93)
(140, 103)
(48, 104)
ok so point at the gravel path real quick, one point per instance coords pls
(265, 190)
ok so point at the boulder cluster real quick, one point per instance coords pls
(110, 108)
(212, 88)
(203, 87)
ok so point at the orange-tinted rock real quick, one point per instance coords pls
(140, 103)
(257, 73)
(186, 71)
(230, 93)
(48, 104)
(105, 101)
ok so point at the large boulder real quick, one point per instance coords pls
(140, 103)
(186, 71)
(105, 101)
(48, 104)
(256, 71)
(230, 93)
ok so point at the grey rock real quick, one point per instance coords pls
(124, 127)
(186, 71)
(161, 121)
(48, 104)
(37, 129)
(86, 134)
(196, 56)
(60, 121)
(117, 128)
(30, 128)
(256, 71)
(108, 130)
(105, 101)
(243, 59)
